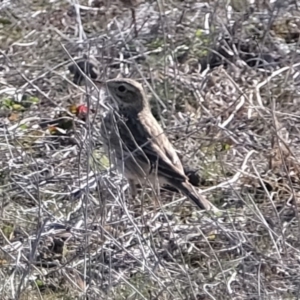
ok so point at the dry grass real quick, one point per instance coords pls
(67, 229)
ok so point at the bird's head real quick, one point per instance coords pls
(127, 94)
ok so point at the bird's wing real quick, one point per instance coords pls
(146, 133)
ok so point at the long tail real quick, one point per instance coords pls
(188, 190)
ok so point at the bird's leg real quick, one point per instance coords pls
(156, 192)
(133, 189)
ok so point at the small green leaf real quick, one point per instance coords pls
(8, 230)
(7, 102)
(5, 21)
(39, 283)
(17, 106)
(23, 126)
(104, 161)
(199, 33)
(226, 147)
(34, 100)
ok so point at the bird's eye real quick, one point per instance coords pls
(121, 88)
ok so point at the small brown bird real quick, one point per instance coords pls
(137, 144)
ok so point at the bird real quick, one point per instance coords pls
(137, 144)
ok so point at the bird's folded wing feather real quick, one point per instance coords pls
(147, 134)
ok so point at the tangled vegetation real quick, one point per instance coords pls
(223, 79)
